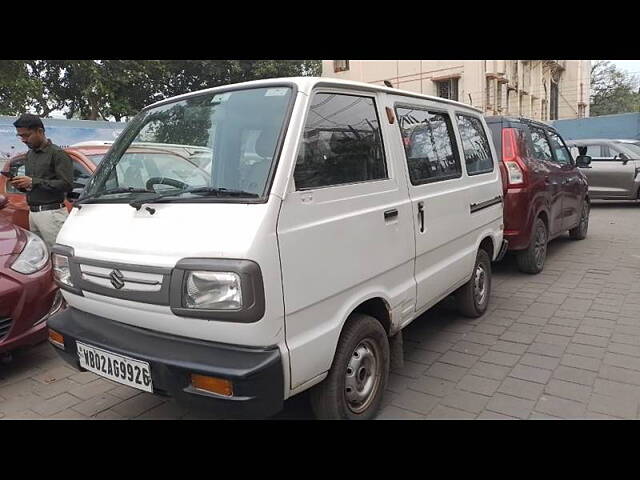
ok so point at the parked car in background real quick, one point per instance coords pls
(614, 172)
(85, 156)
(545, 194)
(28, 294)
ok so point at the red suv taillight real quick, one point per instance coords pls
(514, 166)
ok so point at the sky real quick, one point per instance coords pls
(631, 66)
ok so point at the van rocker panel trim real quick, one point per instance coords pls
(256, 373)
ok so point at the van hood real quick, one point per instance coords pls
(120, 233)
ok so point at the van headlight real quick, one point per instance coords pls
(33, 257)
(221, 289)
(213, 290)
(61, 270)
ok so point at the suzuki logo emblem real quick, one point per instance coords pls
(116, 279)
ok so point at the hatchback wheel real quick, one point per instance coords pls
(580, 232)
(532, 259)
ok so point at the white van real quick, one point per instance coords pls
(242, 244)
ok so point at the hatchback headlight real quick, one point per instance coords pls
(61, 271)
(213, 290)
(34, 256)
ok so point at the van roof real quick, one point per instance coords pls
(306, 85)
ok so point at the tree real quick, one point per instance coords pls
(612, 90)
(104, 89)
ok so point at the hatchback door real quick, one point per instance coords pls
(571, 183)
(553, 177)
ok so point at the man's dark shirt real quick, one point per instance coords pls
(51, 171)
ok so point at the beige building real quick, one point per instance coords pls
(539, 89)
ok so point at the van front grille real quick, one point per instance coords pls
(5, 326)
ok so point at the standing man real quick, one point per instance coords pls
(48, 177)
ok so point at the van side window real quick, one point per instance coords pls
(428, 145)
(477, 154)
(563, 157)
(541, 148)
(341, 143)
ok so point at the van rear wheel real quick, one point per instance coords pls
(532, 259)
(355, 385)
(473, 296)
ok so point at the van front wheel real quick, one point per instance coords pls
(356, 382)
(473, 296)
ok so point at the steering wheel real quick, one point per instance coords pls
(164, 181)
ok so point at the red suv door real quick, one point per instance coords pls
(571, 182)
(554, 178)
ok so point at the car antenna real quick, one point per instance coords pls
(388, 83)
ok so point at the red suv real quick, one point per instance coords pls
(28, 294)
(85, 156)
(545, 194)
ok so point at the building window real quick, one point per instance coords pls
(340, 65)
(447, 88)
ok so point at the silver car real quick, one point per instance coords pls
(614, 172)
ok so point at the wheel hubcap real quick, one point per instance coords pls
(480, 285)
(363, 376)
(540, 246)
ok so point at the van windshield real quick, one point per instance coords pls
(179, 151)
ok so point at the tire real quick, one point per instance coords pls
(355, 385)
(473, 296)
(532, 259)
(580, 232)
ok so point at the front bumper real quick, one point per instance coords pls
(257, 375)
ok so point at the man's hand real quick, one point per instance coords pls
(21, 181)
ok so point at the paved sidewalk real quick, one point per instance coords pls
(563, 344)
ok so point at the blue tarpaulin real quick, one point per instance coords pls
(625, 125)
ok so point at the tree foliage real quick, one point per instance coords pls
(612, 90)
(105, 89)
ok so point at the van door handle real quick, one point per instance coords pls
(421, 215)
(389, 214)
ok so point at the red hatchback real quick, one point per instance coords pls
(545, 194)
(28, 294)
(85, 157)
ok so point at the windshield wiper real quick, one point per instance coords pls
(110, 191)
(204, 191)
(222, 192)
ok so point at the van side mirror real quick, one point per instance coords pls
(583, 161)
(624, 158)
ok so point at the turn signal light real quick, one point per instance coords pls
(56, 339)
(215, 385)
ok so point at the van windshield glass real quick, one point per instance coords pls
(634, 148)
(218, 141)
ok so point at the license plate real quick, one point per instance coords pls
(118, 368)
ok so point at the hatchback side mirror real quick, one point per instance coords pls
(583, 161)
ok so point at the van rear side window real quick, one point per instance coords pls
(477, 153)
(428, 145)
(341, 143)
